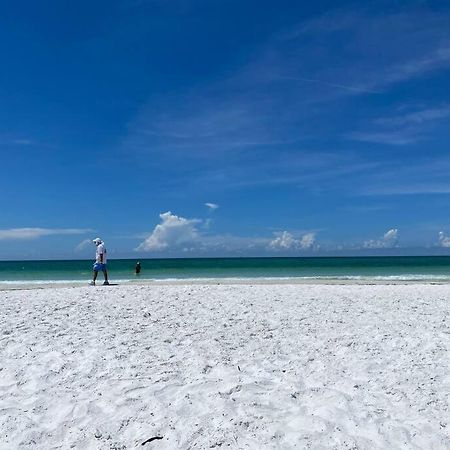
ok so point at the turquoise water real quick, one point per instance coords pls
(407, 268)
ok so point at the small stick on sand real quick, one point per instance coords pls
(152, 439)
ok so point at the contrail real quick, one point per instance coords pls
(339, 86)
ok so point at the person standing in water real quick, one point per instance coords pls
(138, 268)
(100, 261)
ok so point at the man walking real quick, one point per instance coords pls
(100, 261)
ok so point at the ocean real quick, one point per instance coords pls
(426, 268)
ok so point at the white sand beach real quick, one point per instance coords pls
(244, 366)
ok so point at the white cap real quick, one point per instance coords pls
(97, 241)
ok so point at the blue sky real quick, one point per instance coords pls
(308, 128)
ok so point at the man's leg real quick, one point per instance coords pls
(95, 275)
(105, 274)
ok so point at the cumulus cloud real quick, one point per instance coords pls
(212, 206)
(172, 232)
(178, 234)
(34, 233)
(388, 240)
(444, 240)
(83, 244)
(286, 241)
(307, 240)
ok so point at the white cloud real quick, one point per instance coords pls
(388, 240)
(286, 241)
(206, 136)
(390, 234)
(307, 240)
(212, 206)
(444, 241)
(403, 137)
(403, 129)
(22, 142)
(402, 61)
(355, 89)
(83, 244)
(416, 117)
(34, 233)
(183, 235)
(434, 60)
(172, 232)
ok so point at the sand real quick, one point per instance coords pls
(225, 366)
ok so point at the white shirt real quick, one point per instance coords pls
(101, 250)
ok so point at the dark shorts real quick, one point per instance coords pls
(99, 267)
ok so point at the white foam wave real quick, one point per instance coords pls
(368, 278)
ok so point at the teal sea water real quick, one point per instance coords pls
(395, 268)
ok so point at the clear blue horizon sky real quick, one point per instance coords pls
(208, 128)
